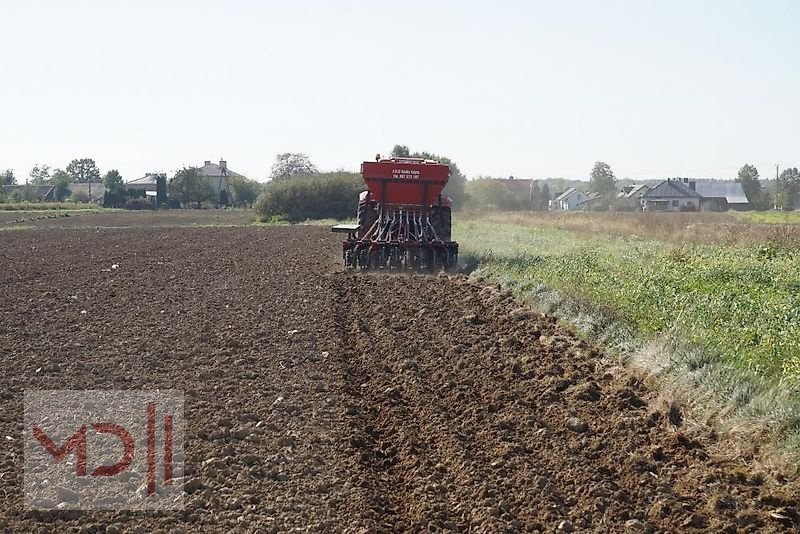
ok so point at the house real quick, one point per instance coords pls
(29, 192)
(672, 195)
(218, 176)
(722, 196)
(571, 199)
(634, 191)
(590, 198)
(148, 182)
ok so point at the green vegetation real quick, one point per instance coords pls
(740, 303)
(771, 217)
(46, 206)
(290, 164)
(189, 187)
(244, 191)
(456, 185)
(708, 306)
(332, 195)
(490, 194)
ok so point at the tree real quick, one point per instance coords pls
(401, 151)
(61, 180)
(748, 177)
(545, 203)
(117, 195)
(161, 189)
(8, 177)
(536, 196)
(787, 189)
(456, 185)
(318, 196)
(40, 174)
(188, 186)
(83, 171)
(289, 164)
(486, 193)
(244, 191)
(113, 181)
(602, 179)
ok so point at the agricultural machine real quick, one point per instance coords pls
(403, 219)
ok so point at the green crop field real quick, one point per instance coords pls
(771, 217)
(740, 303)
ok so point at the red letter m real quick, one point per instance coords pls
(76, 443)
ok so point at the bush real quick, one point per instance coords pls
(331, 195)
(140, 204)
(79, 196)
(28, 193)
(115, 198)
(486, 194)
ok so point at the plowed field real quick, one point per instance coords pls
(318, 400)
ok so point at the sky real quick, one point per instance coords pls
(525, 88)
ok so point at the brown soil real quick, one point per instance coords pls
(326, 401)
(123, 219)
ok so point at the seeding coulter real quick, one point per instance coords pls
(403, 219)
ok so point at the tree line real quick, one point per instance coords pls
(187, 186)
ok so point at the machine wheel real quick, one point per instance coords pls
(363, 259)
(440, 218)
(367, 215)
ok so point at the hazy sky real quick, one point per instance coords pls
(529, 88)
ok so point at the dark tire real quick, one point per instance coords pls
(367, 215)
(441, 220)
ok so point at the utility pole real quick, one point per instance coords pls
(775, 204)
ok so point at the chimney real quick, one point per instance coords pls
(693, 185)
(223, 164)
(686, 180)
(207, 162)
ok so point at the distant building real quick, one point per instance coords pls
(148, 182)
(722, 196)
(571, 199)
(672, 195)
(218, 176)
(634, 191)
(678, 194)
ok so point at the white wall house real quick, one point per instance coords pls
(571, 199)
(672, 195)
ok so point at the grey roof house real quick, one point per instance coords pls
(148, 182)
(218, 176)
(675, 194)
(721, 196)
(41, 192)
(672, 195)
(634, 191)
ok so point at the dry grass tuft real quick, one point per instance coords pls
(686, 228)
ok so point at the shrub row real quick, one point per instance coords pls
(332, 195)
